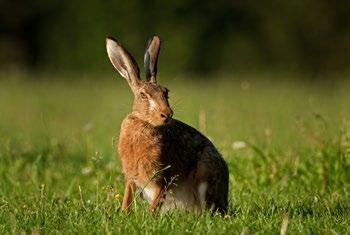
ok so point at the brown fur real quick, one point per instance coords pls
(150, 140)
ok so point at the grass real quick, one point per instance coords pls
(287, 145)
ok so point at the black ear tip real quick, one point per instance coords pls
(109, 38)
(153, 39)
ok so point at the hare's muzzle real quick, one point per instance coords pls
(166, 116)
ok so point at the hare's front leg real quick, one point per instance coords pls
(127, 195)
(157, 196)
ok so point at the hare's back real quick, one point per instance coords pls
(189, 146)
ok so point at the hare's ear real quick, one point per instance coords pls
(123, 62)
(151, 58)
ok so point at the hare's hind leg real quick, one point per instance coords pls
(127, 195)
(216, 197)
(213, 170)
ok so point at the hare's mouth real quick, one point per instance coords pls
(163, 122)
(168, 120)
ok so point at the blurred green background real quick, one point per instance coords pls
(199, 37)
(266, 81)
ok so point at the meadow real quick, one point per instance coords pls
(286, 141)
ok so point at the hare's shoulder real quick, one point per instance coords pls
(138, 137)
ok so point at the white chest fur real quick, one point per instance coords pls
(148, 193)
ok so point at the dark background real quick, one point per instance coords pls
(199, 37)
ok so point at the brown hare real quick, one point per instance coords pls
(173, 164)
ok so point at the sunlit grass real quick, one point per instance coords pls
(287, 145)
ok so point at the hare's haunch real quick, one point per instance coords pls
(173, 164)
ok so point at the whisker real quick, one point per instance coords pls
(177, 102)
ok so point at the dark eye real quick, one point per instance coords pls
(143, 95)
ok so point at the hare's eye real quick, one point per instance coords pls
(143, 95)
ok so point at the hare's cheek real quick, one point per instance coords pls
(154, 113)
(156, 120)
(152, 105)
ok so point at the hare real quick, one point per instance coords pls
(173, 164)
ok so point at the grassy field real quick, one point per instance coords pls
(287, 145)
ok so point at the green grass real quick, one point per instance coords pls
(287, 145)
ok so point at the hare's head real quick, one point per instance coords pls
(150, 99)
